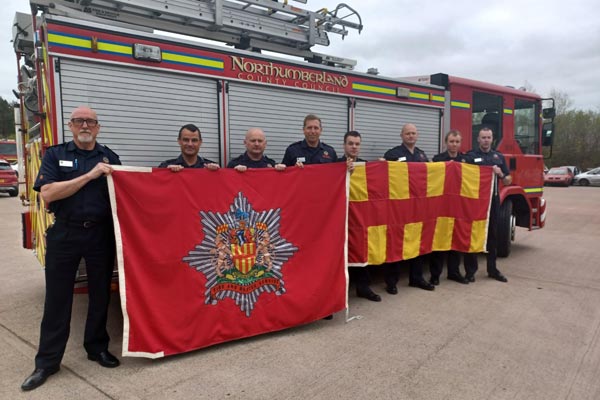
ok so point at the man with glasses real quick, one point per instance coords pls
(72, 182)
(190, 140)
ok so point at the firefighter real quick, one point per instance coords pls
(72, 182)
(360, 275)
(254, 156)
(311, 150)
(406, 152)
(190, 140)
(453, 141)
(485, 155)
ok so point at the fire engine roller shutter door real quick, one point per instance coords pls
(380, 124)
(280, 113)
(140, 110)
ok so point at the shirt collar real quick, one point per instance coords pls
(305, 145)
(246, 157)
(415, 149)
(72, 147)
(181, 161)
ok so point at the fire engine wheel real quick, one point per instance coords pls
(13, 193)
(506, 228)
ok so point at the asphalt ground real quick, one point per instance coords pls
(535, 337)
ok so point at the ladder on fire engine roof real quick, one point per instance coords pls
(246, 24)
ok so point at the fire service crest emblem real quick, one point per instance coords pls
(242, 254)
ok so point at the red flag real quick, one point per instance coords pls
(211, 256)
(401, 210)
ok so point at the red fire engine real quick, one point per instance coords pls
(145, 85)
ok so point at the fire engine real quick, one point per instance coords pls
(125, 59)
(8, 150)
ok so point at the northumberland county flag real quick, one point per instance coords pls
(211, 256)
(401, 210)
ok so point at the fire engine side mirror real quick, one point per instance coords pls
(549, 113)
(548, 134)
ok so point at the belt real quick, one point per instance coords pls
(74, 223)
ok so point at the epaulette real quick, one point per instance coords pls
(110, 151)
(57, 145)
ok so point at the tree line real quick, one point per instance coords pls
(577, 135)
(7, 120)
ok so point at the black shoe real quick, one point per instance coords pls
(105, 359)
(368, 294)
(459, 279)
(38, 377)
(329, 317)
(391, 289)
(434, 281)
(470, 278)
(422, 285)
(498, 276)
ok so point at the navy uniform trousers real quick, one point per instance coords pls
(436, 263)
(391, 271)
(470, 259)
(67, 243)
(492, 239)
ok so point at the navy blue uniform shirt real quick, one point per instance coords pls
(321, 154)
(446, 157)
(200, 162)
(492, 157)
(264, 162)
(358, 159)
(401, 153)
(66, 161)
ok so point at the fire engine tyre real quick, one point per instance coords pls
(506, 228)
(13, 193)
(583, 182)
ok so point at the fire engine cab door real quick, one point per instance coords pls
(141, 111)
(380, 124)
(280, 113)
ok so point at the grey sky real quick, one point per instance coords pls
(544, 44)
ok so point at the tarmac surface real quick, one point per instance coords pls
(535, 337)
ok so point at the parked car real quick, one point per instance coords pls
(15, 167)
(559, 176)
(574, 170)
(8, 179)
(591, 177)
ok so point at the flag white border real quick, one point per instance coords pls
(120, 266)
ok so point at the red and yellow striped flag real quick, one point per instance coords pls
(401, 210)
